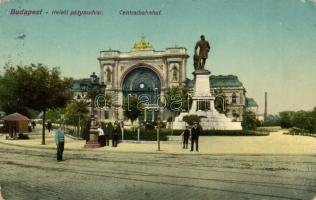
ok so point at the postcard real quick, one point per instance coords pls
(144, 99)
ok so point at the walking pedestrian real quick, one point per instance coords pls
(33, 124)
(60, 142)
(186, 135)
(49, 125)
(195, 133)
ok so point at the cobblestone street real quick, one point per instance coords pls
(33, 173)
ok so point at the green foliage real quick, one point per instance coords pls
(10, 101)
(147, 135)
(297, 131)
(132, 108)
(305, 120)
(249, 120)
(177, 99)
(286, 119)
(272, 120)
(34, 86)
(151, 135)
(75, 111)
(54, 115)
(191, 119)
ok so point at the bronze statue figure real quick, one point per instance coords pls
(204, 48)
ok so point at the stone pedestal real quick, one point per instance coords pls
(93, 139)
(203, 106)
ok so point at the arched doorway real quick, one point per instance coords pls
(146, 85)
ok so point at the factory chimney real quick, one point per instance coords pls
(265, 115)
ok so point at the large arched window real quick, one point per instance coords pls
(145, 84)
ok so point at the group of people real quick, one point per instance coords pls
(31, 125)
(194, 133)
(105, 134)
(104, 137)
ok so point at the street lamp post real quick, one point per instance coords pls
(158, 133)
(93, 89)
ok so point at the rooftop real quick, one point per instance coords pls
(219, 81)
(225, 81)
(76, 84)
(251, 102)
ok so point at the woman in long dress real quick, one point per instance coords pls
(101, 137)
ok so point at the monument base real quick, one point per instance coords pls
(203, 106)
(93, 139)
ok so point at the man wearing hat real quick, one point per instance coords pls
(195, 133)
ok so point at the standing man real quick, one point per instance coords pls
(204, 48)
(115, 136)
(195, 133)
(60, 142)
(186, 135)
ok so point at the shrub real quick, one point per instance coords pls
(249, 120)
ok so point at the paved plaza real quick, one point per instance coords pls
(137, 171)
(277, 143)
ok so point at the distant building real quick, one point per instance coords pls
(144, 71)
(234, 93)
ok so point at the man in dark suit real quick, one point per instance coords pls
(186, 136)
(116, 133)
(195, 133)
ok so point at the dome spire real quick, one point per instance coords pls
(142, 44)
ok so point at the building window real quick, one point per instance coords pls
(234, 98)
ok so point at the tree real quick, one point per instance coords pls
(272, 120)
(77, 113)
(249, 120)
(36, 87)
(305, 120)
(132, 108)
(286, 119)
(9, 101)
(177, 99)
(54, 115)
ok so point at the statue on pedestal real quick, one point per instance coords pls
(200, 59)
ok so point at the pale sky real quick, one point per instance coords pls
(269, 44)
